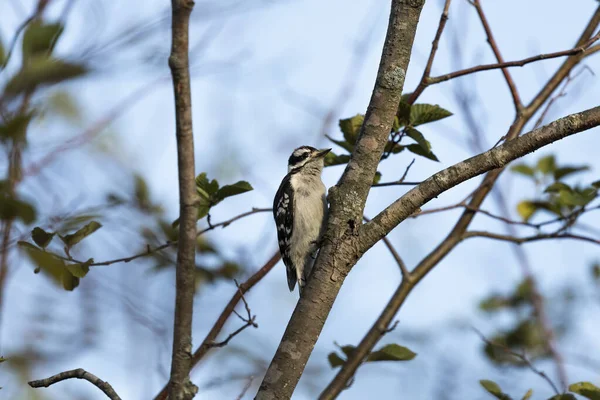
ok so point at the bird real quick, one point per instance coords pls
(300, 212)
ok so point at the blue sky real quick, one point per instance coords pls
(261, 87)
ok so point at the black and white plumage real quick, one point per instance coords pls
(300, 210)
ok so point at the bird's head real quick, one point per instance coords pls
(307, 158)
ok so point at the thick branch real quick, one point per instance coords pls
(496, 158)
(477, 198)
(180, 386)
(347, 201)
(79, 373)
(402, 208)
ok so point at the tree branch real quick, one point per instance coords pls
(527, 239)
(180, 386)
(453, 238)
(402, 208)
(203, 349)
(79, 373)
(490, 38)
(347, 200)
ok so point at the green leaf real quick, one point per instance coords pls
(334, 159)
(2, 359)
(15, 129)
(348, 350)
(493, 303)
(72, 239)
(426, 113)
(560, 173)
(419, 138)
(526, 209)
(523, 169)
(417, 149)
(574, 198)
(546, 165)
(404, 112)
(2, 54)
(41, 237)
(394, 148)
(564, 396)
(376, 178)
(80, 270)
(43, 71)
(350, 127)
(392, 352)
(586, 389)
(493, 388)
(11, 208)
(46, 262)
(40, 39)
(63, 104)
(596, 271)
(527, 395)
(205, 188)
(342, 143)
(69, 281)
(335, 360)
(596, 185)
(557, 187)
(233, 190)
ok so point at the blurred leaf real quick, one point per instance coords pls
(350, 127)
(40, 39)
(596, 185)
(376, 178)
(546, 165)
(417, 149)
(342, 143)
(203, 246)
(564, 396)
(493, 303)
(586, 389)
(11, 208)
(576, 198)
(41, 237)
(43, 72)
(69, 281)
(394, 148)
(425, 113)
(419, 138)
(526, 209)
(403, 113)
(61, 103)
(493, 388)
(72, 239)
(392, 352)
(233, 190)
(2, 359)
(141, 193)
(335, 360)
(74, 222)
(557, 187)
(560, 173)
(528, 395)
(80, 270)
(523, 169)
(46, 262)
(348, 350)
(596, 271)
(333, 159)
(524, 291)
(15, 129)
(2, 54)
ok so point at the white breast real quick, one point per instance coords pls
(310, 209)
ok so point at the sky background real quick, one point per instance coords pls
(265, 74)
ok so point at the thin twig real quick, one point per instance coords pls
(490, 38)
(527, 239)
(521, 357)
(403, 270)
(245, 388)
(434, 46)
(224, 224)
(584, 49)
(78, 373)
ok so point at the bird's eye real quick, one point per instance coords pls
(303, 156)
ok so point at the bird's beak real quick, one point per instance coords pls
(322, 153)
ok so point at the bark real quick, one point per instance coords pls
(347, 200)
(180, 386)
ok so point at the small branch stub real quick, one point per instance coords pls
(78, 373)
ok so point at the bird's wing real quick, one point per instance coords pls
(284, 221)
